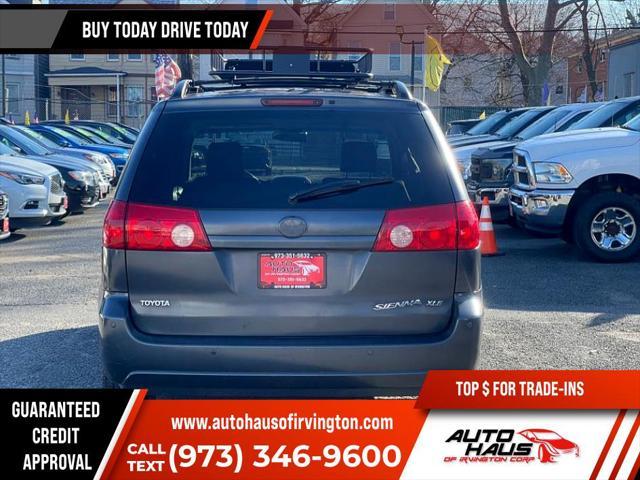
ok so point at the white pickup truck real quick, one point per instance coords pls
(583, 185)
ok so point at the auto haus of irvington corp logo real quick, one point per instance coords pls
(505, 445)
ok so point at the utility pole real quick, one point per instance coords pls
(413, 65)
(400, 31)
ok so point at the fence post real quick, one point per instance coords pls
(118, 98)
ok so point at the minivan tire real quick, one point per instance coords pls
(588, 212)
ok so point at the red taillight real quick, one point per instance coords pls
(438, 227)
(468, 226)
(147, 227)
(113, 229)
(291, 102)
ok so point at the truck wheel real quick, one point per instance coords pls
(606, 227)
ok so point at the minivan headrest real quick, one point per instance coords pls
(256, 157)
(359, 157)
(224, 160)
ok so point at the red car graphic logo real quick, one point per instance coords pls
(550, 444)
(307, 267)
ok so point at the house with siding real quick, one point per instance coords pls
(19, 87)
(624, 68)
(578, 88)
(392, 30)
(106, 86)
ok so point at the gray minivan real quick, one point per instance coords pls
(284, 237)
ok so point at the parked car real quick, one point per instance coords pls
(5, 232)
(132, 130)
(35, 190)
(459, 127)
(82, 178)
(112, 129)
(361, 188)
(583, 185)
(486, 130)
(490, 169)
(22, 143)
(487, 126)
(99, 136)
(65, 138)
(611, 114)
(108, 168)
(507, 133)
(92, 135)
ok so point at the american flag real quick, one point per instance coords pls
(167, 75)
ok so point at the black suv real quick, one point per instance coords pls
(278, 232)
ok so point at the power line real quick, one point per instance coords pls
(456, 32)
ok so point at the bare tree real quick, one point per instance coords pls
(320, 16)
(622, 13)
(533, 50)
(591, 18)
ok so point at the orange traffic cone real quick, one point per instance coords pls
(488, 245)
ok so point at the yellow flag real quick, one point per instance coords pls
(483, 115)
(27, 120)
(67, 120)
(435, 60)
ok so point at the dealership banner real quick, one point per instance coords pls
(141, 29)
(589, 428)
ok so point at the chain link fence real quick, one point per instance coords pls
(132, 113)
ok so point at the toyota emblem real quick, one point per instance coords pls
(292, 227)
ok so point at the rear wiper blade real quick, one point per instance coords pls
(335, 189)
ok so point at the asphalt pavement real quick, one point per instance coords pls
(547, 306)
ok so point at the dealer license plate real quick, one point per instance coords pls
(292, 270)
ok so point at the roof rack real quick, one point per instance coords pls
(392, 88)
(301, 60)
(297, 68)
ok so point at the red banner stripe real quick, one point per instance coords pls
(607, 446)
(635, 469)
(122, 435)
(625, 448)
(263, 26)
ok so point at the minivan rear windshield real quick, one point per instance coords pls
(261, 158)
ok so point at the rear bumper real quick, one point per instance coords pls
(340, 366)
